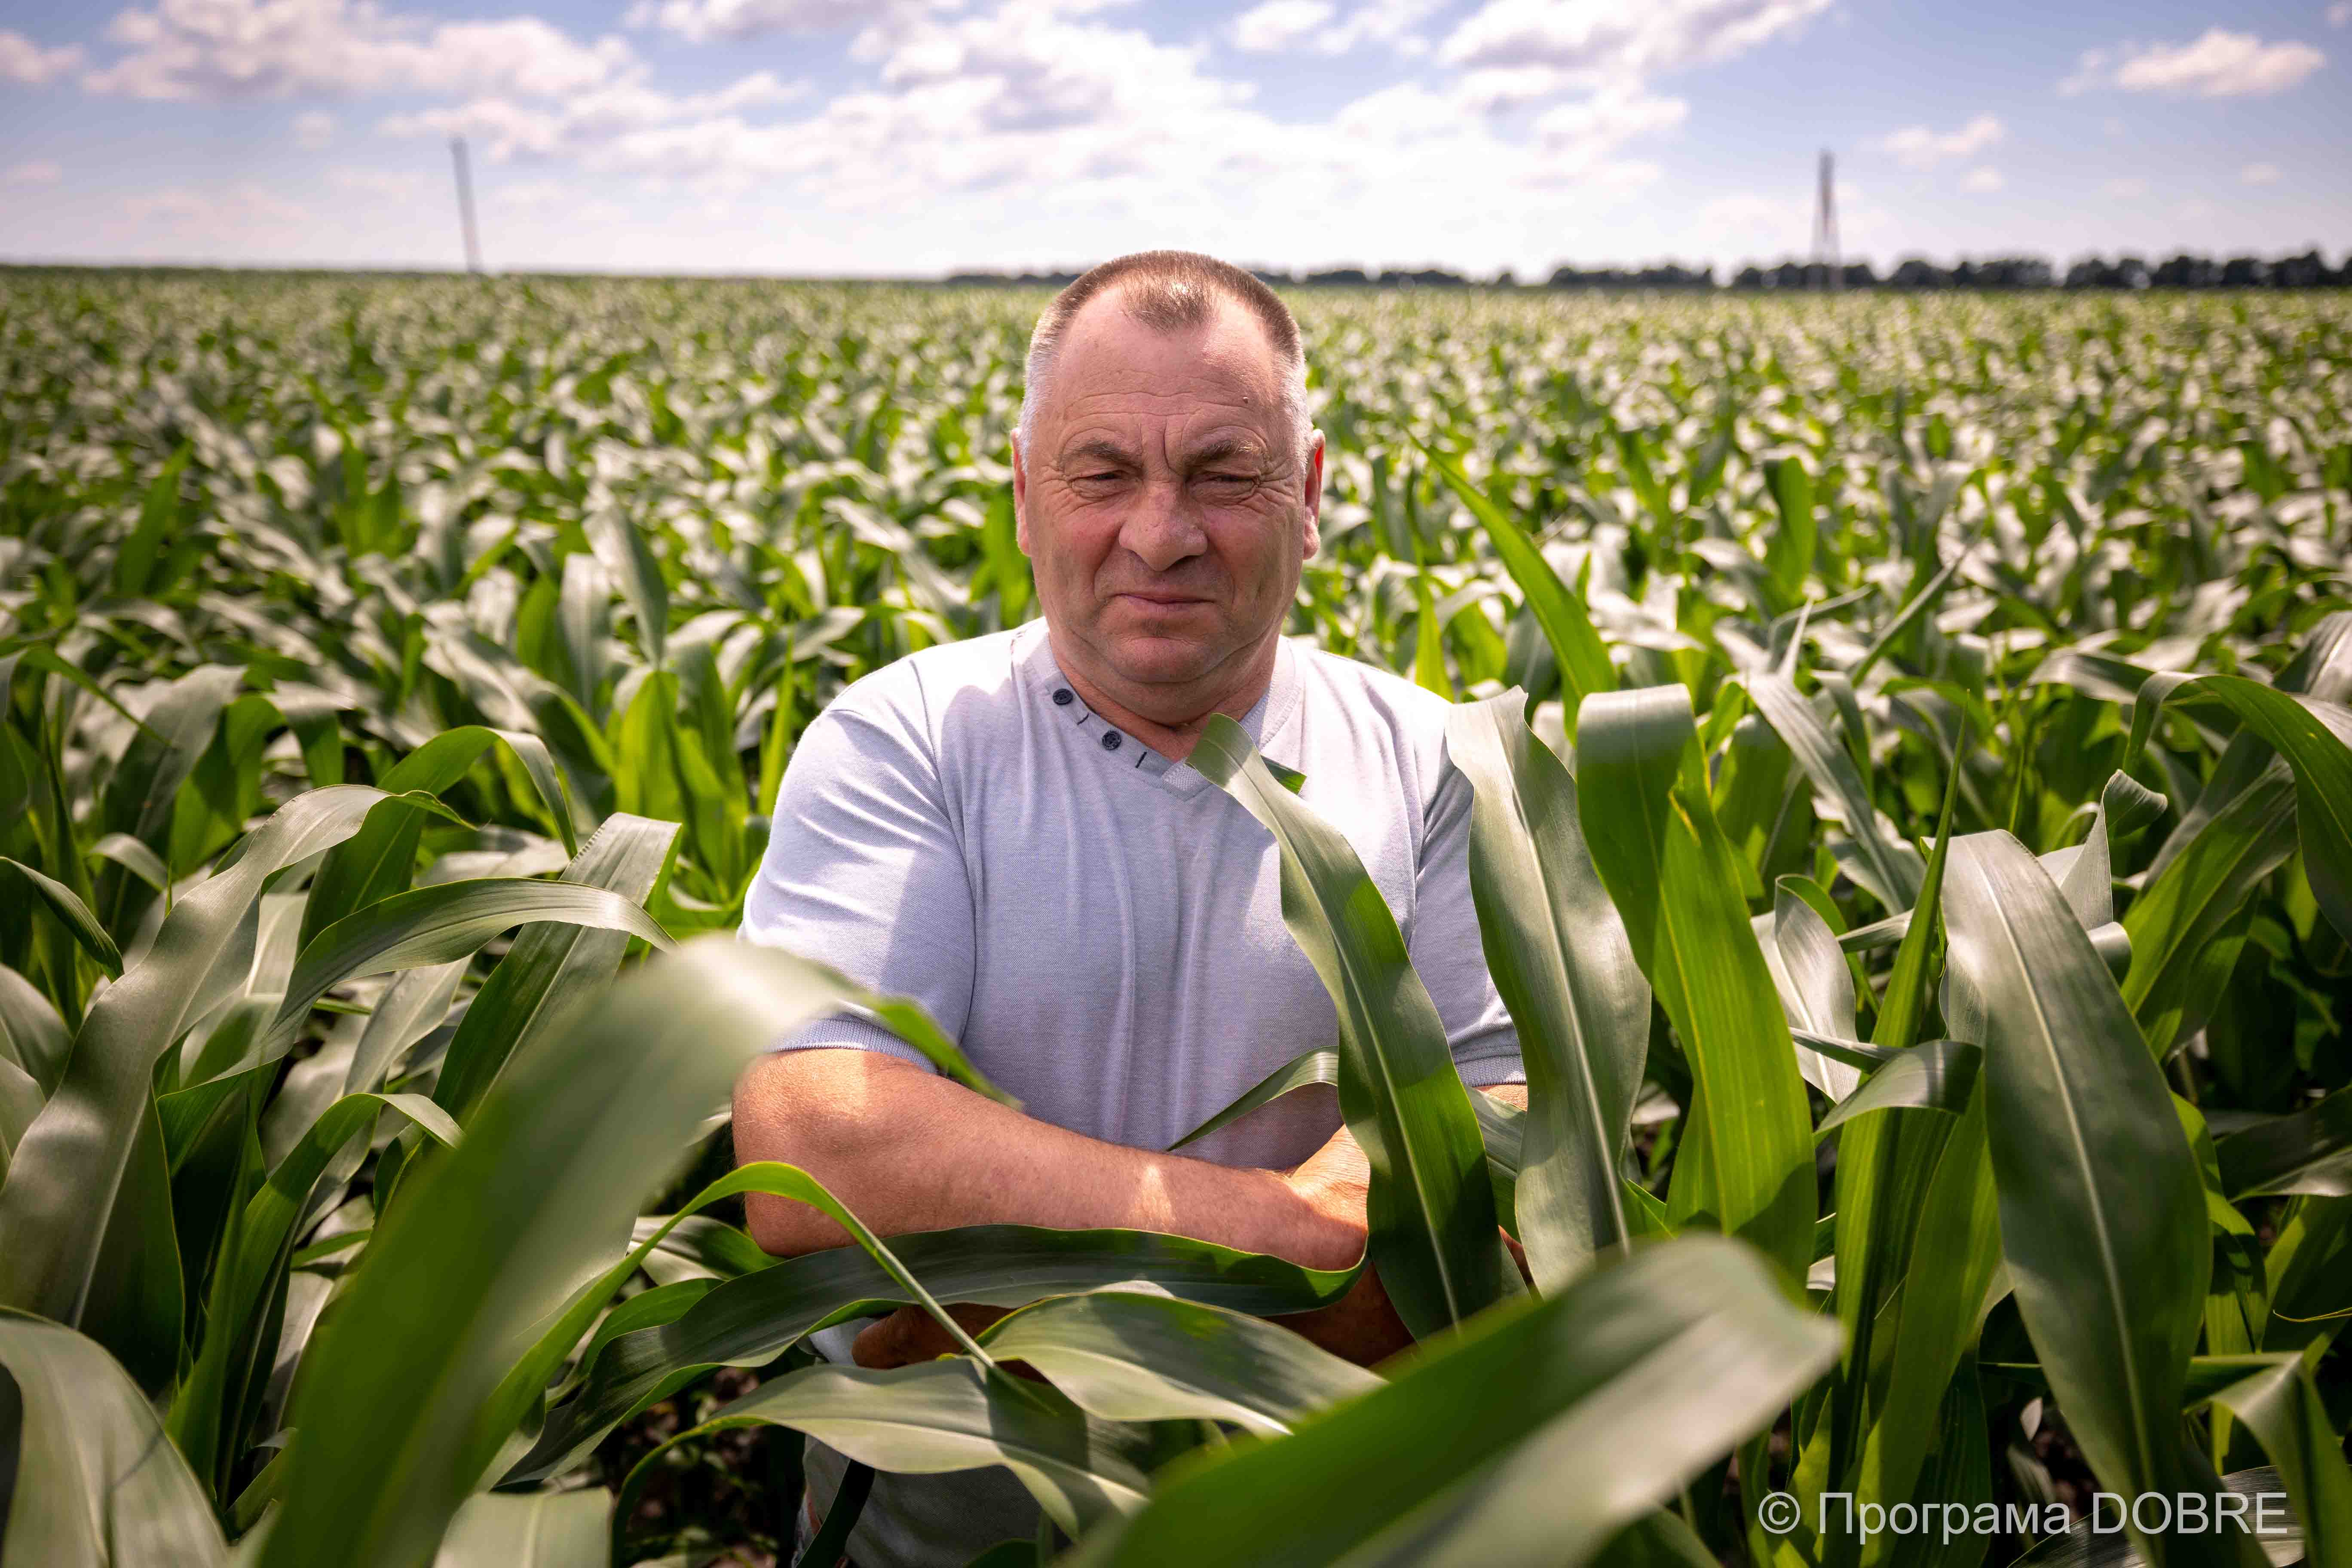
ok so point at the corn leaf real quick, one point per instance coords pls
(1431, 1210)
(1561, 960)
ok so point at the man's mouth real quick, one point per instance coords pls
(1163, 600)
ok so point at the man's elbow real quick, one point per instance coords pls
(824, 1112)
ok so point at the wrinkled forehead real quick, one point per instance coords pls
(1112, 359)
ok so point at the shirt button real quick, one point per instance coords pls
(1112, 738)
(1064, 696)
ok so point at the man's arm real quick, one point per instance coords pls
(907, 1151)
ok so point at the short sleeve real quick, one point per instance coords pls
(1445, 944)
(863, 873)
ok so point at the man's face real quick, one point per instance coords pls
(1163, 502)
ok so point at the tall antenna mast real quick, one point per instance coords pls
(466, 205)
(1825, 235)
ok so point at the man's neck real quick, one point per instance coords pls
(1170, 718)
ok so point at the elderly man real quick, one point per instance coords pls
(1006, 830)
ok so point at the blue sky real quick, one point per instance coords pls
(913, 137)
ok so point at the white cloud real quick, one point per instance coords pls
(1917, 147)
(701, 21)
(184, 216)
(1983, 182)
(314, 131)
(2125, 188)
(588, 124)
(35, 172)
(2261, 174)
(1611, 43)
(1604, 122)
(1282, 25)
(379, 184)
(213, 50)
(2340, 13)
(1493, 88)
(25, 62)
(2218, 65)
(1315, 26)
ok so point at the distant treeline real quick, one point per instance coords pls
(2309, 270)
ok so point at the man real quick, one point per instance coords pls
(1006, 830)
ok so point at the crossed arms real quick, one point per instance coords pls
(907, 1151)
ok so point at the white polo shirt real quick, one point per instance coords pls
(1101, 928)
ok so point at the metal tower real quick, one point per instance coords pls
(1825, 235)
(466, 205)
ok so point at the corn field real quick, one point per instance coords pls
(1913, 837)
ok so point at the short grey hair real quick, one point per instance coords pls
(1171, 291)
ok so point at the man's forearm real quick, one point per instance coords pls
(907, 1151)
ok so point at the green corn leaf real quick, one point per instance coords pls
(1790, 551)
(529, 1374)
(945, 1415)
(1936, 1076)
(1306, 1068)
(2102, 1209)
(1892, 867)
(134, 857)
(1431, 1211)
(159, 520)
(1903, 1005)
(20, 1101)
(32, 1036)
(92, 1479)
(2180, 952)
(1954, 1259)
(2315, 739)
(750, 1320)
(440, 924)
(380, 860)
(1814, 981)
(71, 1163)
(530, 1530)
(206, 1420)
(2309, 1151)
(553, 962)
(1584, 666)
(490, 1241)
(2280, 1403)
(1532, 1439)
(145, 784)
(621, 546)
(1920, 605)
(1561, 958)
(1127, 1356)
(72, 913)
(1747, 1165)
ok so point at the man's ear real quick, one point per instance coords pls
(1020, 497)
(1313, 498)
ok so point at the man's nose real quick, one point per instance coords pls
(1162, 530)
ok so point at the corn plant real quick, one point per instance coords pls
(1913, 836)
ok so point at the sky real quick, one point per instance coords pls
(887, 138)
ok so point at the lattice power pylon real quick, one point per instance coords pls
(1825, 235)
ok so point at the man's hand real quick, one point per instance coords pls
(1361, 1326)
(910, 1335)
